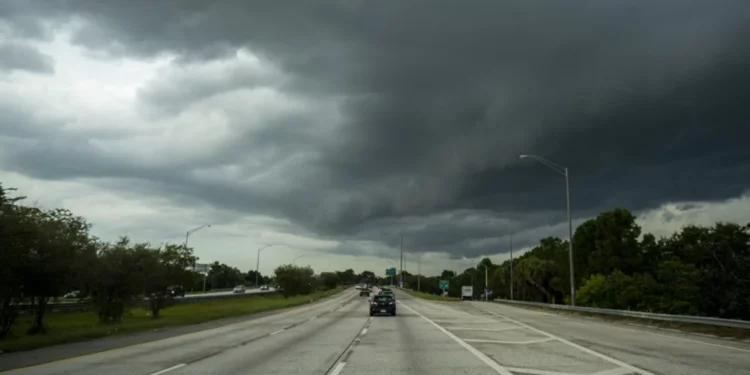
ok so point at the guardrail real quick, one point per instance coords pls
(639, 315)
(189, 298)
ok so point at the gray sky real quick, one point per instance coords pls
(328, 128)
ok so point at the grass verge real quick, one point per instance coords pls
(430, 296)
(66, 327)
(700, 329)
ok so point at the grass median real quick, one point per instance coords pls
(430, 296)
(65, 327)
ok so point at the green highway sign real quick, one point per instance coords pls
(390, 271)
(443, 284)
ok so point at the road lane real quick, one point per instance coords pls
(408, 344)
(154, 356)
(530, 342)
(308, 348)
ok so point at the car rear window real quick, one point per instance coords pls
(383, 298)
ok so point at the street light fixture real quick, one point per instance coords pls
(257, 263)
(563, 171)
(188, 233)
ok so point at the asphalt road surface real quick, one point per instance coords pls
(337, 336)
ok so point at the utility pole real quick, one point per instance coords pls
(401, 273)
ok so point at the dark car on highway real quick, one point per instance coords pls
(387, 292)
(364, 292)
(383, 304)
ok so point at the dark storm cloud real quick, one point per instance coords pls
(14, 56)
(644, 101)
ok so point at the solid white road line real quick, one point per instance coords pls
(465, 321)
(579, 347)
(483, 329)
(338, 368)
(175, 367)
(487, 360)
(510, 342)
(539, 372)
(277, 332)
(614, 371)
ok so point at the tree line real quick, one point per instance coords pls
(45, 254)
(698, 270)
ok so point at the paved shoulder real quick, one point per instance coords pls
(652, 351)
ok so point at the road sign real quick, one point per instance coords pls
(390, 271)
(443, 284)
(201, 268)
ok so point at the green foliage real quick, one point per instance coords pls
(295, 280)
(328, 280)
(221, 276)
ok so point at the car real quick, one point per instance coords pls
(387, 292)
(364, 292)
(264, 287)
(177, 291)
(239, 289)
(383, 304)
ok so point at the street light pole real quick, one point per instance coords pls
(511, 263)
(486, 285)
(401, 273)
(419, 273)
(188, 233)
(563, 171)
(257, 263)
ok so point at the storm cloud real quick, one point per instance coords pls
(410, 116)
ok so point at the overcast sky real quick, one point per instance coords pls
(328, 128)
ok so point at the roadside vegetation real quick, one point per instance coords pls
(64, 327)
(703, 271)
(51, 256)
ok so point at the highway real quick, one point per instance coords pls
(337, 336)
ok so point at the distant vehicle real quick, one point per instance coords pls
(383, 304)
(73, 294)
(364, 292)
(264, 287)
(239, 289)
(358, 287)
(177, 291)
(467, 292)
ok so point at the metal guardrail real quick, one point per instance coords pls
(189, 298)
(639, 315)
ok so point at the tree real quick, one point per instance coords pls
(115, 281)
(221, 276)
(250, 278)
(329, 280)
(14, 233)
(366, 277)
(447, 275)
(294, 280)
(60, 240)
